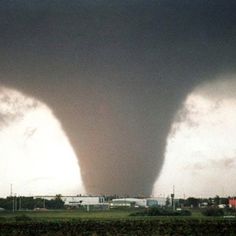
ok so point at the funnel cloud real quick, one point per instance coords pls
(115, 73)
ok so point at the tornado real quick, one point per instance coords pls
(115, 73)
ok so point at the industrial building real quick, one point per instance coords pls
(99, 201)
(232, 203)
(138, 202)
(76, 201)
(82, 200)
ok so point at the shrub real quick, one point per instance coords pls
(155, 211)
(213, 212)
(185, 213)
(23, 218)
(2, 218)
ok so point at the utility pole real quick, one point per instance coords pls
(19, 203)
(172, 198)
(11, 190)
(13, 200)
(13, 204)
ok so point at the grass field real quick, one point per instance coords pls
(110, 222)
(112, 214)
(69, 214)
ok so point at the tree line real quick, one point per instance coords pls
(197, 202)
(30, 203)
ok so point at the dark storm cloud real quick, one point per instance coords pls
(115, 73)
(185, 115)
(224, 88)
(214, 94)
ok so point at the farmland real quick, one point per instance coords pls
(110, 222)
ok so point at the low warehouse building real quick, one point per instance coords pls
(137, 202)
(75, 201)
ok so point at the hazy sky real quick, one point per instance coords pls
(36, 157)
(113, 73)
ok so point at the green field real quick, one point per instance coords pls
(112, 214)
(68, 214)
(110, 222)
(52, 215)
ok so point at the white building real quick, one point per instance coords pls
(161, 201)
(82, 200)
(79, 200)
(138, 202)
(128, 202)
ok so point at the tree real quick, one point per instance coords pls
(168, 201)
(192, 202)
(56, 203)
(216, 200)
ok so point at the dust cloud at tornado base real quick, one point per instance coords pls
(115, 73)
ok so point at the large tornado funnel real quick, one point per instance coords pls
(119, 132)
(115, 72)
